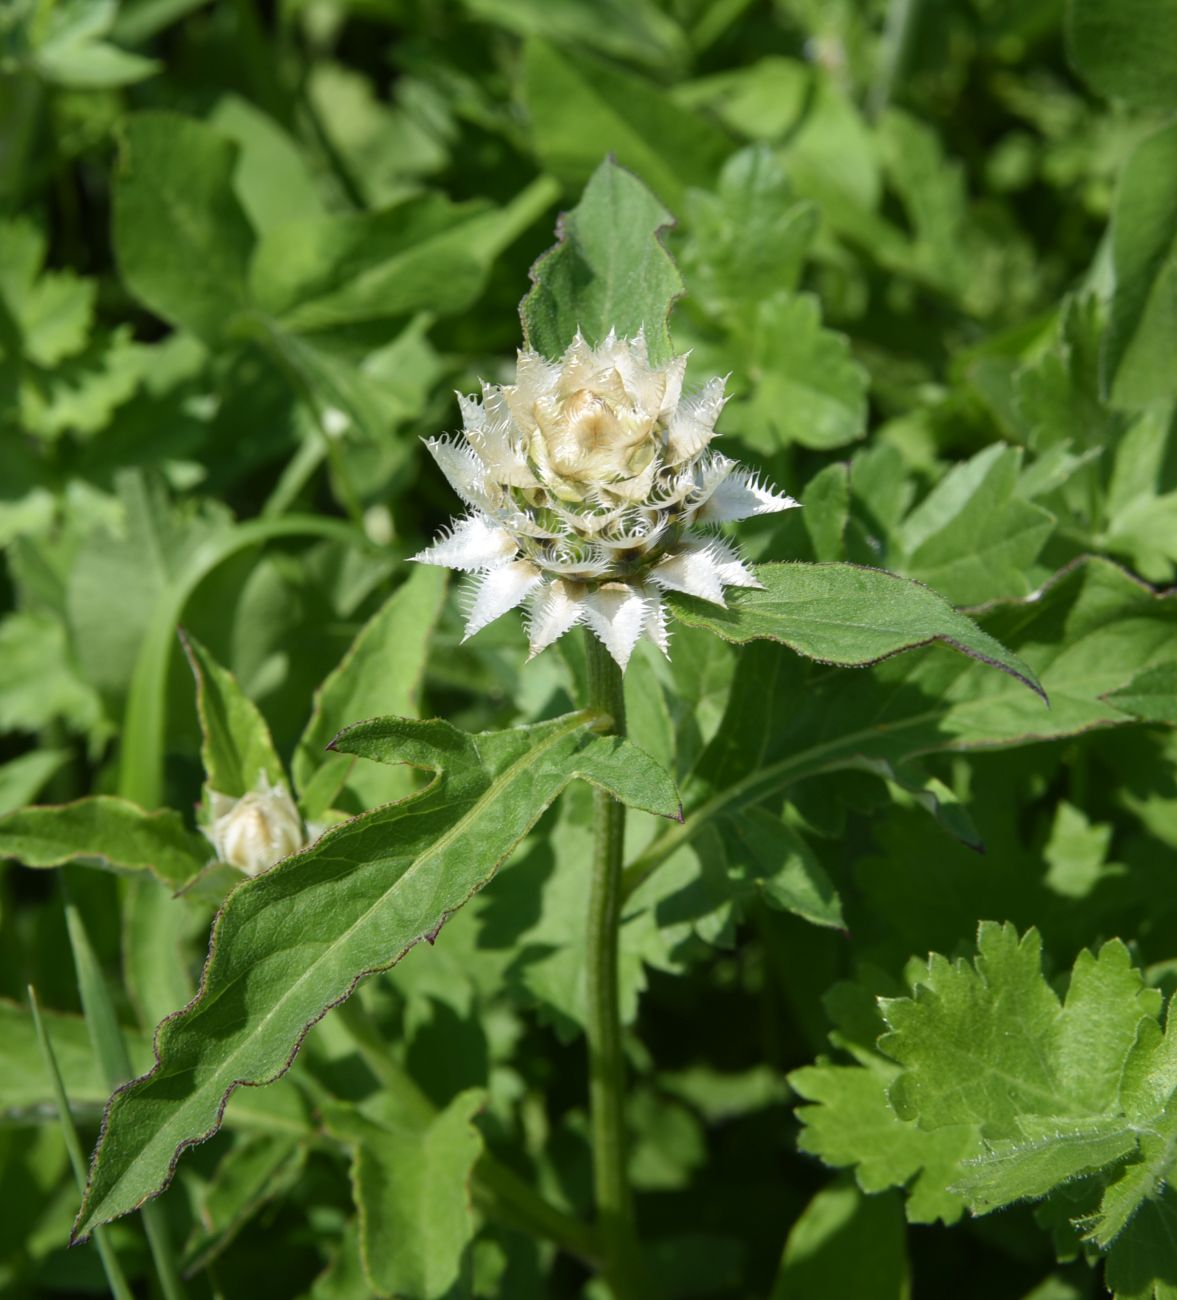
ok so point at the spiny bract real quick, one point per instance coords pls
(586, 481)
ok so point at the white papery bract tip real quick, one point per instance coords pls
(500, 591)
(473, 545)
(616, 614)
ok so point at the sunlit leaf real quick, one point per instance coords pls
(360, 898)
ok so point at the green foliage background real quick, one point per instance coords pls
(247, 252)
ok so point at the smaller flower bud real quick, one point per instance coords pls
(256, 831)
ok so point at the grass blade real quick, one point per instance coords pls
(111, 1051)
(110, 1264)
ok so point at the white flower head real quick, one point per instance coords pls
(257, 830)
(586, 483)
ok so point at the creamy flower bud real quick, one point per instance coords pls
(587, 481)
(256, 831)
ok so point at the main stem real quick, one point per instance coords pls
(615, 1222)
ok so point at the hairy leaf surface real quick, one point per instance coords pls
(608, 272)
(107, 828)
(294, 941)
(237, 747)
(847, 615)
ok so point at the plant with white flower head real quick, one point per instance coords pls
(591, 486)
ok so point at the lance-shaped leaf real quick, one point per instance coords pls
(608, 272)
(236, 747)
(848, 615)
(380, 674)
(1142, 333)
(1088, 633)
(293, 942)
(106, 829)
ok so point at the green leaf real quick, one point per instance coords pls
(783, 867)
(931, 794)
(975, 538)
(236, 745)
(534, 920)
(23, 777)
(1077, 853)
(143, 559)
(1151, 696)
(847, 615)
(273, 180)
(1048, 1154)
(159, 932)
(826, 510)
(807, 388)
(710, 886)
(1086, 635)
(380, 673)
(25, 1090)
(360, 898)
(1142, 1264)
(325, 271)
(68, 49)
(1142, 331)
(749, 239)
(411, 1181)
(1142, 517)
(50, 311)
(850, 1123)
(636, 30)
(1057, 396)
(343, 1278)
(259, 1168)
(846, 1244)
(182, 240)
(933, 191)
(1126, 50)
(1023, 1091)
(990, 1043)
(92, 65)
(155, 564)
(41, 683)
(583, 109)
(608, 272)
(80, 395)
(102, 827)
(110, 1047)
(1060, 1089)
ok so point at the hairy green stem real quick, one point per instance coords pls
(615, 1221)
